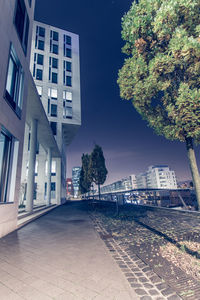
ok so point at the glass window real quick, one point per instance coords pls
(69, 80)
(53, 93)
(41, 45)
(68, 112)
(36, 167)
(41, 31)
(39, 74)
(54, 127)
(5, 164)
(39, 89)
(14, 83)
(69, 52)
(22, 23)
(55, 49)
(53, 168)
(69, 66)
(68, 40)
(40, 59)
(55, 36)
(67, 95)
(55, 63)
(53, 110)
(53, 190)
(30, 2)
(54, 77)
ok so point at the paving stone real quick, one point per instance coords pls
(143, 279)
(174, 297)
(132, 279)
(153, 292)
(141, 292)
(162, 286)
(146, 298)
(167, 292)
(155, 279)
(136, 285)
(148, 285)
(139, 274)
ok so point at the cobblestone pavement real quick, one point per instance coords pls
(134, 239)
(60, 256)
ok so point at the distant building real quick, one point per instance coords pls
(161, 177)
(125, 184)
(69, 185)
(141, 181)
(75, 180)
(133, 181)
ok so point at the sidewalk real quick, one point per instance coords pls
(60, 256)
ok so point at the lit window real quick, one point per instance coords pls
(53, 168)
(67, 111)
(39, 89)
(14, 83)
(67, 95)
(53, 93)
(36, 168)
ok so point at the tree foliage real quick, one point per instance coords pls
(85, 180)
(97, 168)
(161, 75)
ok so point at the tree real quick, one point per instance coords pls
(161, 75)
(85, 181)
(97, 168)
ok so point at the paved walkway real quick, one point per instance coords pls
(60, 256)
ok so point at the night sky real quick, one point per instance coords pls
(129, 145)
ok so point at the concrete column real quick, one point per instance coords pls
(58, 181)
(31, 166)
(49, 160)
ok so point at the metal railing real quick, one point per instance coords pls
(169, 198)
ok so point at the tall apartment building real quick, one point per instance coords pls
(161, 177)
(55, 69)
(16, 19)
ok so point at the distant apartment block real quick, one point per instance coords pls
(76, 171)
(161, 177)
(156, 177)
(141, 181)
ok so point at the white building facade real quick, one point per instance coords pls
(161, 177)
(55, 69)
(15, 35)
(141, 181)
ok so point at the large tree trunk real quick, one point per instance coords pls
(193, 168)
(99, 192)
